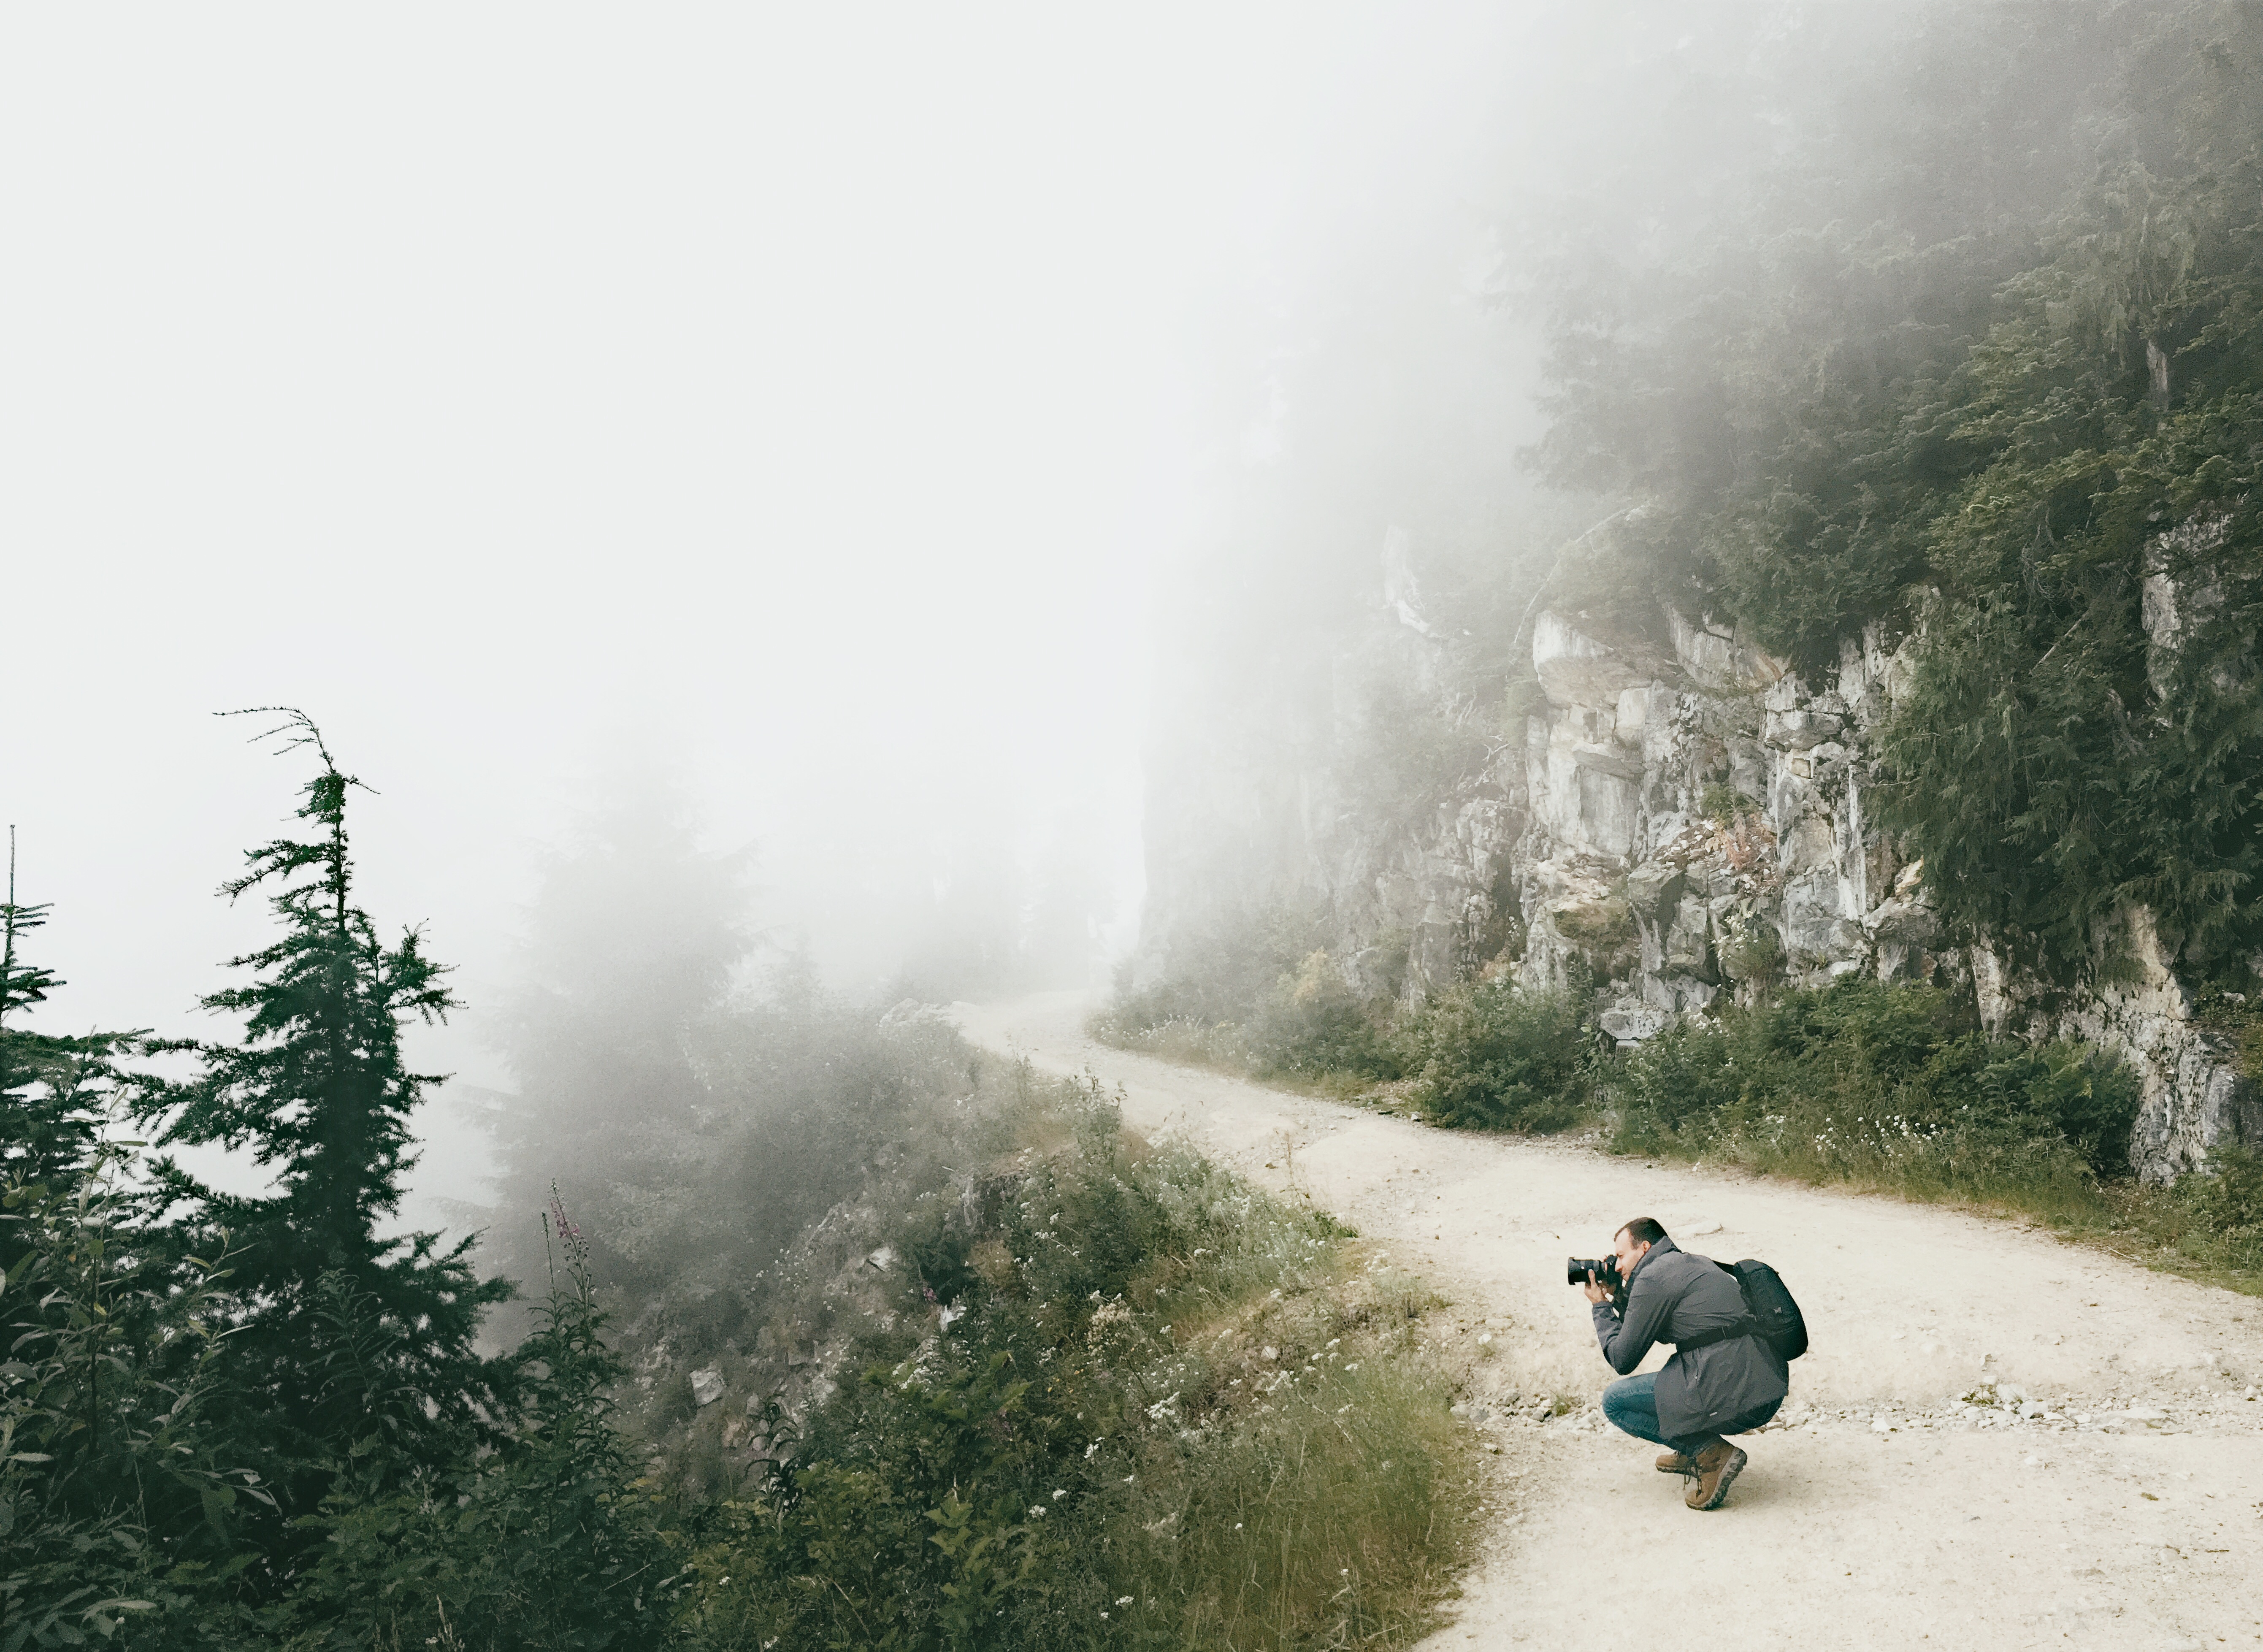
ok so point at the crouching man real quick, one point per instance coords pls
(1722, 1380)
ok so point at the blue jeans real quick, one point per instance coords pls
(1631, 1406)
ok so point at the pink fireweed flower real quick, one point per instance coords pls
(570, 1237)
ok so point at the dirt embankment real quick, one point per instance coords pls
(2112, 1497)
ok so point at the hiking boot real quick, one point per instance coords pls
(1717, 1466)
(1675, 1463)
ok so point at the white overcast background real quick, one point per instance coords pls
(797, 399)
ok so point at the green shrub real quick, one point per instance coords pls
(1482, 1054)
(2213, 1218)
(1723, 802)
(1312, 1024)
(543, 1545)
(1485, 1055)
(1106, 1396)
(1301, 1022)
(1890, 1085)
(121, 1516)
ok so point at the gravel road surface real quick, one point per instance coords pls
(2110, 1496)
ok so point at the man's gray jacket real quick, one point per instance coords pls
(1672, 1295)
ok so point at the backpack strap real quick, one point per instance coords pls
(1727, 1333)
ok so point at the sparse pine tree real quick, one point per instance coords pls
(52, 1087)
(316, 1088)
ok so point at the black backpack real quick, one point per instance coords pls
(1775, 1316)
(1770, 1313)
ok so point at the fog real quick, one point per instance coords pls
(805, 412)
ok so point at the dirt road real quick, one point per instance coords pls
(1877, 1510)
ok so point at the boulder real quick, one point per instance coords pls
(1575, 668)
(1650, 886)
(1631, 1023)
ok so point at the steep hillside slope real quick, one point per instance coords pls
(1917, 636)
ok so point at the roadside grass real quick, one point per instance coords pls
(1893, 1090)
(1187, 1039)
(1886, 1089)
(2208, 1227)
(1480, 1055)
(1321, 1499)
(1102, 1394)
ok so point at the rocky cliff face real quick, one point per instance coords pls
(1683, 818)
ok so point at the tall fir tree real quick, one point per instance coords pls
(316, 1088)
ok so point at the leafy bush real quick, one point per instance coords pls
(1485, 1055)
(1892, 1085)
(1480, 1055)
(1311, 1024)
(113, 1505)
(1249, 1006)
(542, 1544)
(1099, 1395)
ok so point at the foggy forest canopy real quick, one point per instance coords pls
(1915, 318)
(1934, 323)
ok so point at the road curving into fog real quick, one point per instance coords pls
(1876, 1511)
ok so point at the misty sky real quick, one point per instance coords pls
(805, 402)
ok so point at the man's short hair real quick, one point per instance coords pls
(1643, 1230)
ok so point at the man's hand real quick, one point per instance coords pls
(1597, 1292)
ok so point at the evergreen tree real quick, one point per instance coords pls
(113, 1506)
(51, 1087)
(317, 1090)
(542, 1544)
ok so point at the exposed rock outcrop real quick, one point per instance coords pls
(1804, 887)
(1682, 817)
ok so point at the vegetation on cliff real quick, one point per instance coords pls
(1993, 372)
(1945, 326)
(1091, 1392)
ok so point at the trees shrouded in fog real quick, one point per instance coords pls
(1969, 346)
(630, 944)
(696, 1118)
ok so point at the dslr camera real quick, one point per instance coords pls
(1606, 1269)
